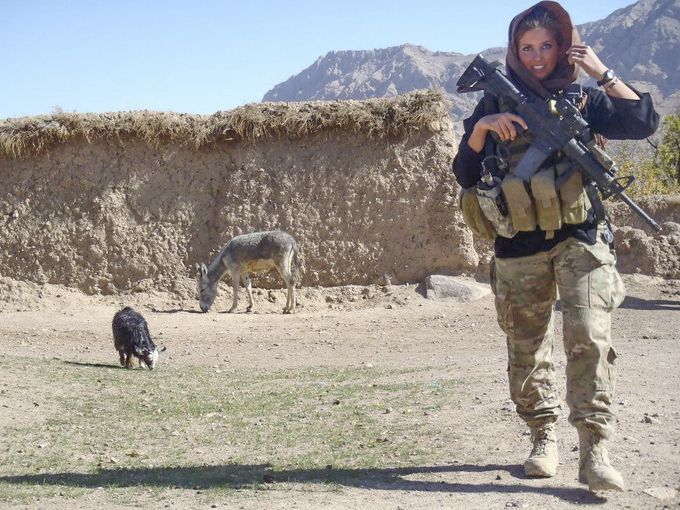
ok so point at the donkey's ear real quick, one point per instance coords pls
(204, 270)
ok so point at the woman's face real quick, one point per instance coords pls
(538, 52)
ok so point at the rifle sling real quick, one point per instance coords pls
(596, 202)
(490, 107)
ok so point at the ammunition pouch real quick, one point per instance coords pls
(573, 198)
(554, 197)
(494, 206)
(519, 203)
(473, 216)
(546, 201)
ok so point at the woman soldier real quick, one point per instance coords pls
(565, 249)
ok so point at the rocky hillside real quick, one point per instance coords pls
(379, 73)
(641, 41)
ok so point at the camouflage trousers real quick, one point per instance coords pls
(589, 289)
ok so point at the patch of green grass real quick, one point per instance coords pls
(196, 427)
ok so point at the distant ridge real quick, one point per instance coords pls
(379, 73)
(641, 42)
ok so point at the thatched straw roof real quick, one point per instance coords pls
(375, 118)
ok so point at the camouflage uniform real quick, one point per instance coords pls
(589, 288)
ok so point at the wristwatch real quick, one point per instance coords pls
(608, 76)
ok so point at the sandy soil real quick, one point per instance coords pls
(395, 326)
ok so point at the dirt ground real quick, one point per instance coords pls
(391, 326)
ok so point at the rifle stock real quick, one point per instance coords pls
(556, 124)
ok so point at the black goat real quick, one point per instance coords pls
(131, 337)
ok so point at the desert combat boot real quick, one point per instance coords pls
(594, 467)
(543, 459)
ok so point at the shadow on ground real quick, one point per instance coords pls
(92, 365)
(634, 303)
(236, 476)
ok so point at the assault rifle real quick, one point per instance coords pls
(556, 124)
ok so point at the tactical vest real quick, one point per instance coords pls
(554, 196)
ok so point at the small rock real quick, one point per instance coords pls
(661, 493)
(457, 289)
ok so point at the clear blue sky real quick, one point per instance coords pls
(201, 56)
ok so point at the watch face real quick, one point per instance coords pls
(607, 76)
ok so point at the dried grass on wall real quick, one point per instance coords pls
(376, 118)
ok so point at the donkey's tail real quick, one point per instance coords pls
(297, 265)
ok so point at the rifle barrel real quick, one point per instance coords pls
(636, 208)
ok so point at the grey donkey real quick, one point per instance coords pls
(249, 253)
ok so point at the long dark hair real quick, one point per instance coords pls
(539, 18)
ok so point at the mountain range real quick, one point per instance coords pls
(640, 42)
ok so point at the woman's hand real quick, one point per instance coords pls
(503, 124)
(586, 58)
